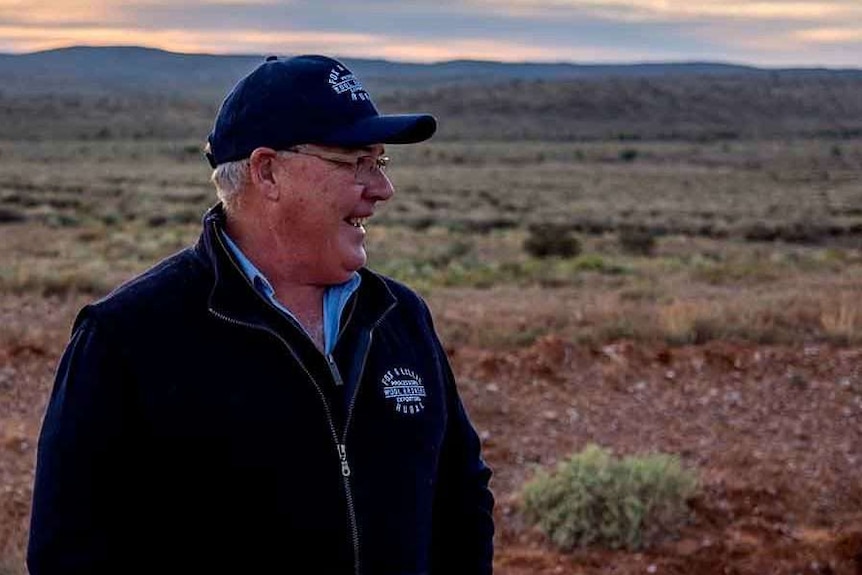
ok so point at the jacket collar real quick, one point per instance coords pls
(233, 296)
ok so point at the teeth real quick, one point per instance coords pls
(358, 222)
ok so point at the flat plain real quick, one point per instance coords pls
(707, 303)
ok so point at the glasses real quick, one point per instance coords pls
(366, 167)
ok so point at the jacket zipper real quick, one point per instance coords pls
(340, 446)
(333, 369)
(336, 375)
(349, 417)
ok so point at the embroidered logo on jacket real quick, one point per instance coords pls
(403, 388)
(343, 81)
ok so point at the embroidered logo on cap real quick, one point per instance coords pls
(403, 388)
(343, 81)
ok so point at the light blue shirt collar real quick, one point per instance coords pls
(335, 297)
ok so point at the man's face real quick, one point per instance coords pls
(323, 209)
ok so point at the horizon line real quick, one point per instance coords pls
(620, 63)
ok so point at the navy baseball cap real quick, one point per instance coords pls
(305, 100)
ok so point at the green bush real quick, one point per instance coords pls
(595, 498)
(596, 263)
(637, 241)
(11, 215)
(628, 154)
(547, 240)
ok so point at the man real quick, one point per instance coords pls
(261, 402)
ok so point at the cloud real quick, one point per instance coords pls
(382, 12)
(830, 35)
(17, 13)
(746, 31)
(648, 11)
(346, 45)
(182, 40)
(501, 50)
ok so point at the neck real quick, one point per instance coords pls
(306, 304)
(304, 300)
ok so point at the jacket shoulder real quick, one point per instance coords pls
(411, 311)
(403, 294)
(166, 289)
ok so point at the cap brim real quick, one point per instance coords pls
(390, 129)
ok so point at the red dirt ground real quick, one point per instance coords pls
(775, 432)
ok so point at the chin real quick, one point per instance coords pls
(350, 265)
(356, 260)
(353, 268)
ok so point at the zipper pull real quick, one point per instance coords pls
(333, 369)
(342, 453)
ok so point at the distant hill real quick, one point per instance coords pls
(670, 107)
(134, 69)
(122, 92)
(91, 70)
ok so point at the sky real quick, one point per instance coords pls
(774, 33)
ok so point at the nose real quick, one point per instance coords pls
(379, 188)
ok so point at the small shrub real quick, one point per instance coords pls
(419, 223)
(61, 220)
(157, 220)
(486, 225)
(547, 240)
(450, 252)
(802, 232)
(760, 232)
(191, 150)
(596, 499)
(637, 241)
(598, 264)
(185, 216)
(11, 215)
(628, 154)
(111, 219)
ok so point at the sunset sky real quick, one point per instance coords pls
(768, 33)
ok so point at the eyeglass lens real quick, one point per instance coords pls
(367, 167)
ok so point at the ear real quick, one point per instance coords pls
(262, 172)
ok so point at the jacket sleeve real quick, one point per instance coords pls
(463, 529)
(80, 493)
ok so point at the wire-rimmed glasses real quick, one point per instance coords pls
(366, 167)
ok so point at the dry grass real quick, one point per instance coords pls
(841, 316)
(672, 311)
(95, 213)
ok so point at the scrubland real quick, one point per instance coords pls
(708, 305)
(756, 241)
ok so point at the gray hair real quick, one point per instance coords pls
(229, 179)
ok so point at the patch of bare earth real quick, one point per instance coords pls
(775, 432)
(33, 334)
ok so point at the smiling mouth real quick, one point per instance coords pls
(357, 222)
